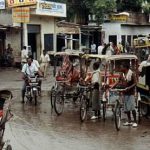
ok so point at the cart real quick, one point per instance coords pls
(143, 88)
(114, 98)
(5, 115)
(67, 75)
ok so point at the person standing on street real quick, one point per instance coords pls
(24, 55)
(100, 48)
(44, 59)
(128, 80)
(96, 82)
(93, 48)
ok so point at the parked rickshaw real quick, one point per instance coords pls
(67, 74)
(5, 115)
(114, 97)
(85, 85)
(143, 88)
(110, 73)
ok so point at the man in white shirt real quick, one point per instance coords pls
(29, 69)
(100, 48)
(144, 63)
(24, 55)
(93, 48)
(44, 62)
(96, 82)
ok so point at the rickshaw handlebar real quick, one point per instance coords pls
(117, 90)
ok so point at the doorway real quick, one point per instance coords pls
(34, 39)
(113, 38)
(32, 43)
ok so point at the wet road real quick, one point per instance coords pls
(37, 128)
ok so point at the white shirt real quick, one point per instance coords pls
(143, 63)
(36, 63)
(100, 48)
(96, 77)
(93, 48)
(44, 59)
(24, 55)
(29, 70)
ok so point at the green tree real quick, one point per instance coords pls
(129, 5)
(100, 7)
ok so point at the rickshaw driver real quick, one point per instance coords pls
(128, 81)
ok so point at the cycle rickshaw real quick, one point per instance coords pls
(5, 115)
(85, 85)
(67, 74)
(143, 88)
(110, 73)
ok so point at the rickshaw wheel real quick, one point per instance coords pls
(143, 107)
(52, 97)
(104, 111)
(83, 108)
(117, 115)
(58, 104)
(8, 147)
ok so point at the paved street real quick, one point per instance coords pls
(38, 128)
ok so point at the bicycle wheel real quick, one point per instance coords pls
(104, 111)
(117, 115)
(83, 108)
(143, 106)
(58, 104)
(52, 96)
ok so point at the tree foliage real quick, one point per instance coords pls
(81, 8)
(100, 7)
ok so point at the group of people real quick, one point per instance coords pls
(109, 49)
(31, 66)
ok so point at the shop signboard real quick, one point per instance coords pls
(119, 18)
(17, 3)
(51, 9)
(21, 14)
(2, 4)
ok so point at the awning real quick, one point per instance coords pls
(6, 27)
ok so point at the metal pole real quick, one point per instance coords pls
(21, 35)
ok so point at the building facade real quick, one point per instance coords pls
(36, 30)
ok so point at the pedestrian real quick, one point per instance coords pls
(96, 82)
(9, 49)
(110, 50)
(104, 49)
(120, 48)
(144, 63)
(93, 48)
(29, 70)
(128, 80)
(127, 47)
(24, 56)
(100, 48)
(44, 59)
(9, 58)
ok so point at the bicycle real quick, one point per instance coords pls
(117, 106)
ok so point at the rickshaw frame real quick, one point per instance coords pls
(106, 75)
(63, 93)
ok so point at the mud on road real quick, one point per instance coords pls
(38, 128)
